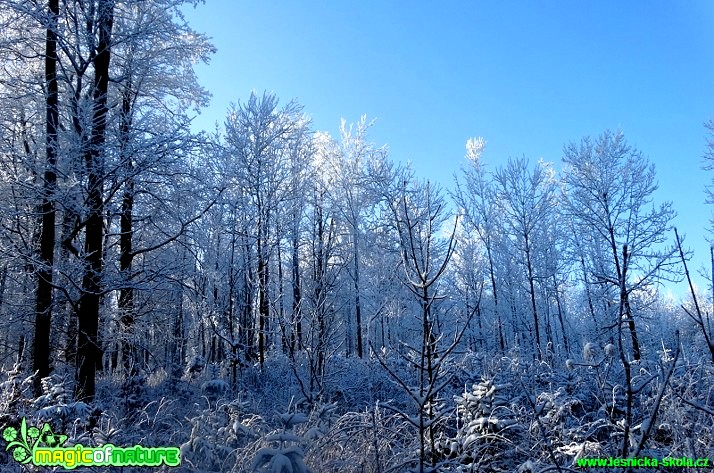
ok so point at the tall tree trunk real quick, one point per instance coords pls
(230, 310)
(285, 328)
(319, 276)
(531, 286)
(263, 302)
(586, 282)
(69, 221)
(43, 308)
(625, 301)
(296, 314)
(3, 285)
(358, 307)
(560, 314)
(88, 350)
(247, 326)
(497, 313)
(126, 225)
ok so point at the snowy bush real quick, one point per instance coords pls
(214, 389)
(55, 405)
(488, 428)
(194, 367)
(370, 441)
(13, 391)
(284, 454)
(218, 435)
(133, 394)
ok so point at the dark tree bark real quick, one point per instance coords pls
(358, 306)
(297, 295)
(263, 301)
(492, 276)
(126, 255)
(88, 350)
(43, 308)
(247, 325)
(531, 290)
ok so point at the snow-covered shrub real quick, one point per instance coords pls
(322, 417)
(97, 430)
(589, 352)
(133, 395)
(55, 406)
(15, 395)
(218, 435)
(683, 424)
(280, 460)
(563, 426)
(370, 441)
(194, 367)
(488, 429)
(214, 389)
(272, 384)
(13, 391)
(283, 453)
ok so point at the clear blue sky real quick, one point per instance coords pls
(528, 76)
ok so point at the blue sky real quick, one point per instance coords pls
(528, 76)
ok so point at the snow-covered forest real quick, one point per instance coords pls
(269, 297)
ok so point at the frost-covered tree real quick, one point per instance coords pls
(43, 313)
(608, 191)
(24, 271)
(155, 84)
(527, 200)
(419, 218)
(258, 137)
(476, 198)
(352, 192)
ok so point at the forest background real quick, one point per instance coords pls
(273, 297)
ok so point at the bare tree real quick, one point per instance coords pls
(258, 136)
(702, 320)
(477, 200)
(608, 193)
(43, 313)
(419, 215)
(351, 192)
(88, 349)
(154, 85)
(527, 201)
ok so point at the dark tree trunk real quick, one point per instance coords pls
(126, 225)
(358, 306)
(497, 313)
(296, 314)
(230, 310)
(88, 350)
(284, 327)
(70, 351)
(263, 302)
(625, 300)
(560, 314)
(320, 297)
(43, 308)
(531, 285)
(20, 349)
(247, 335)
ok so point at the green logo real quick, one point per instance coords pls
(43, 447)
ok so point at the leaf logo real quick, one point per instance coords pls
(23, 443)
(50, 439)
